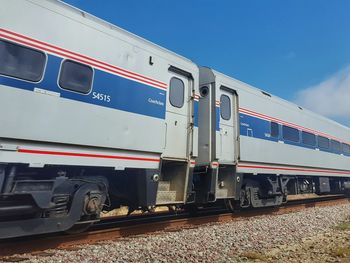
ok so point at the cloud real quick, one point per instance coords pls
(330, 98)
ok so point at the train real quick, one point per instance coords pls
(94, 118)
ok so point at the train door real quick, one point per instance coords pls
(228, 104)
(177, 116)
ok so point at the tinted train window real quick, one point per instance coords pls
(290, 134)
(76, 77)
(274, 130)
(323, 142)
(225, 107)
(335, 146)
(21, 62)
(346, 148)
(308, 138)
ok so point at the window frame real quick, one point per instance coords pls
(183, 93)
(342, 148)
(33, 49)
(302, 139)
(331, 142)
(298, 141)
(323, 148)
(77, 62)
(278, 130)
(230, 107)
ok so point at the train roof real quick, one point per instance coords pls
(108, 26)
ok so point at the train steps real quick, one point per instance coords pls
(164, 194)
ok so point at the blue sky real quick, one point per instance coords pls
(293, 48)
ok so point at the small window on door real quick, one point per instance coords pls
(177, 92)
(225, 107)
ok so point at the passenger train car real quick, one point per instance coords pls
(273, 147)
(94, 118)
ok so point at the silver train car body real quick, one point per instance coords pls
(268, 142)
(84, 98)
(95, 118)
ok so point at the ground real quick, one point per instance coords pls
(320, 234)
(330, 246)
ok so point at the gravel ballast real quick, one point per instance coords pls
(236, 241)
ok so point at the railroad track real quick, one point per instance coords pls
(114, 228)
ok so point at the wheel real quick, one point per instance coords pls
(245, 197)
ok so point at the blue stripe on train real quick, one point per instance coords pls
(261, 129)
(255, 127)
(126, 95)
(195, 113)
(217, 118)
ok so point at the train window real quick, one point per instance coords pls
(308, 138)
(274, 130)
(76, 77)
(290, 134)
(346, 148)
(225, 107)
(335, 146)
(177, 92)
(323, 142)
(21, 62)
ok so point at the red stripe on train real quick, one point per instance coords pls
(292, 169)
(128, 158)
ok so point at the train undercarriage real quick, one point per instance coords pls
(54, 199)
(240, 191)
(273, 190)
